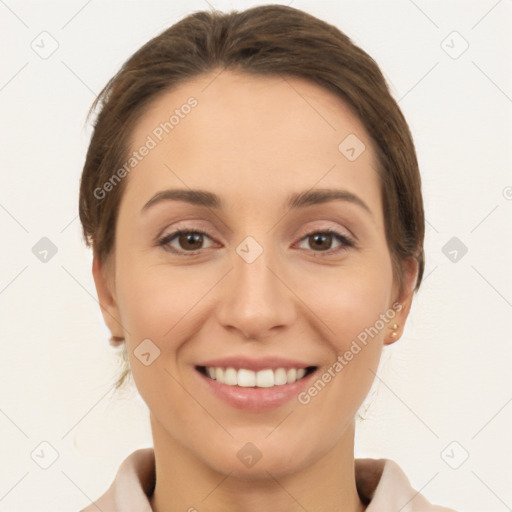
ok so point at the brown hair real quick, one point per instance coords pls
(264, 40)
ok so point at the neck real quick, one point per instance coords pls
(184, 482)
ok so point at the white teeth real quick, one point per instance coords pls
(265, 379)
(245, 378)
(300, 373)
(230, 376)
(280, 377)
(262, 379)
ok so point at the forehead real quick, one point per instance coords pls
(246, 136)
(225, 100)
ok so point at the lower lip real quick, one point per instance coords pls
(256, 399)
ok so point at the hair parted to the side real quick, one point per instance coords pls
(264, 40)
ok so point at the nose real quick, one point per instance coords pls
(256, 300)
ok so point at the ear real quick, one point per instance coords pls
(404, 298)
(104, 281)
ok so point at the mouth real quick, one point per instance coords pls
(266, 378)
(256, 391)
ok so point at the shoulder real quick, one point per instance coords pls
(132, 485)
(384, 485)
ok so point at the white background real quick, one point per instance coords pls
(447, 379)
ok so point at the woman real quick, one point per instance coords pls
(228, 151)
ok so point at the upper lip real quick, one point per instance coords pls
(262, 363)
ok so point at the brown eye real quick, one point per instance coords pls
(190, 240)
(321, 241)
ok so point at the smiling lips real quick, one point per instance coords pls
(255, 384)
(248, 372)
(248, 378)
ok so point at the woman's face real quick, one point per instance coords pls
(264, 282)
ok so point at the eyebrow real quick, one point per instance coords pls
(294, 201)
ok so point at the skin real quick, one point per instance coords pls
(252, 140)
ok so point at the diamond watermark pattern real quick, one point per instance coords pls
(249, 454)
(351, 147)
(44, 455)
(44, 250)
(455, 455)
(146, 352)
(454, 45)
(249, 249)
(454, 249)
(45, 45)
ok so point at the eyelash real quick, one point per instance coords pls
(164, 241)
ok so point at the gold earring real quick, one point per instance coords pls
(394, 334)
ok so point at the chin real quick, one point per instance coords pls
(250, 463)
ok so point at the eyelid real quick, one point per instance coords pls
(174, 232)
(306, 231)
(347, 241)
(329, 228)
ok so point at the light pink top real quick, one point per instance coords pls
(381, 482)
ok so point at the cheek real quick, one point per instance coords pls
(352, 308)
(154, 300)
(156, 312)
(161, 310)
(350, 298)
(163, 303)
